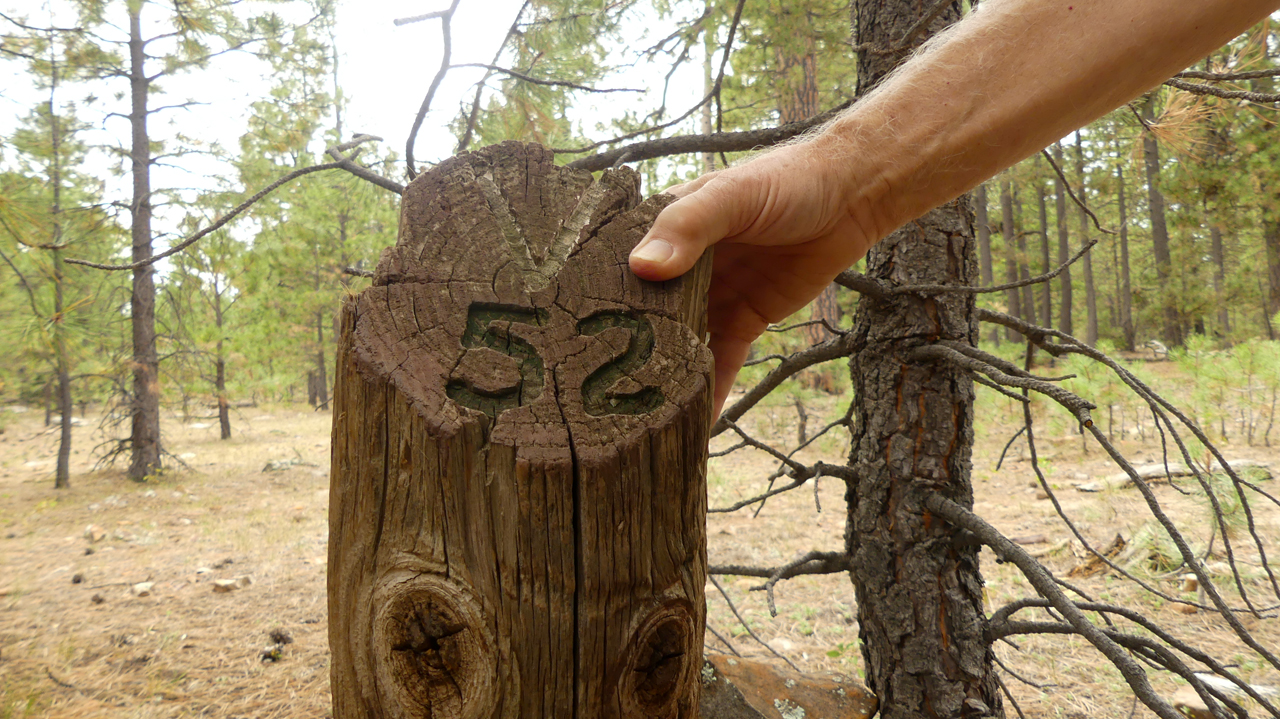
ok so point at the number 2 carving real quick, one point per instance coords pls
(490, 326)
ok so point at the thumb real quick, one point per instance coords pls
(682, 232)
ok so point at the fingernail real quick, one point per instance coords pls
(655, 251)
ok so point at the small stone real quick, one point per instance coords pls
(88, 551)
(11, 535)
(77, 578)
(97, 599)
(242, 581)
(223, 586)
(94, 533)
(203, 570)
(143, 589)
(149, 494)
(1187, 701)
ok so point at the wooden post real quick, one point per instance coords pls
(517, 512)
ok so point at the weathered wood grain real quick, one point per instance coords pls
(517, 522)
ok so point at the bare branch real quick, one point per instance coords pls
(1227, 76)
(475, 103)
(715, 142)
(446, 22)
(1247, 95)
(1040, 578)
(345, 163)
(540, 81)
(744, 623)
(1074, 197)
(838, 346)
(962, 289)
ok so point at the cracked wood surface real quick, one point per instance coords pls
(517, 522)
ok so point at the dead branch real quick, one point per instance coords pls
(1210, 90)
(346, 162)
(446, 23)
(810, 563)
(1072, 194)
(962, 289)
(1226, 76)
(1039, 578)
(474, 114)
(744, 623)
(541, 81)
(838, 346)
(714, 142)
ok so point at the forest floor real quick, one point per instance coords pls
(75, 641)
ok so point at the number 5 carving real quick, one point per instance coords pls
(490, 326)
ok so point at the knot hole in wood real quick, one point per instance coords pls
(431, 641)
(662, 655)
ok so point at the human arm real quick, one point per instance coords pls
(1005, 82)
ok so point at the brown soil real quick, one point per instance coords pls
(188, 651)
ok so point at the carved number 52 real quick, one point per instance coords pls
(490, 326)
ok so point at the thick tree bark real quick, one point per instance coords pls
(1171, 332)
(1046, 262)
(984, 248)
(1126, 291)
(919, 591)
(518, 502)
(1086, 262)
(144, 433)
(1012, 297)
(1064, 247)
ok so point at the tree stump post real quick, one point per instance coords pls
(518, 502)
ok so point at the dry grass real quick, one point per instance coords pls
(185, 651)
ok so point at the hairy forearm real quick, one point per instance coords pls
(1007, 81)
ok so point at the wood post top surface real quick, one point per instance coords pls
(508, 294)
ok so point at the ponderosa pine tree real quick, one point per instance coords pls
(159, 42)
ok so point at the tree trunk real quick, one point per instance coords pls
(1271, 241)
(1024, 263)
(62, 475)
(220, 387)
(919, 592)
(322, 370)
(1064, 247)
(1086, 262)
(986, 270)
(1046, 262)
(1220, 282)
(517, 524)
(1172, 330)
(1126, 291)
(144, 433)
(1012, 297)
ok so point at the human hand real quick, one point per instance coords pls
(786, 224)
